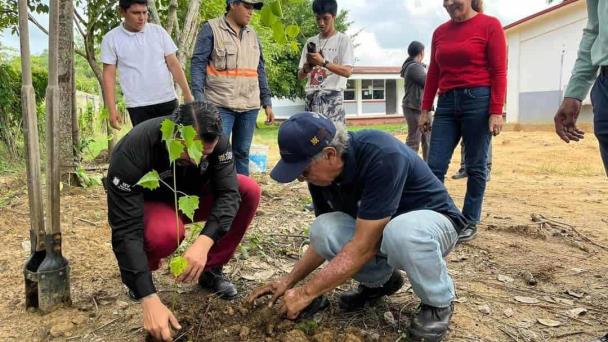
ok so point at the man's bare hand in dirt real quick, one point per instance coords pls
(158, 319)
(565, 120)
(196, 255)
(115, 119)
(294, 301)
(276, 288)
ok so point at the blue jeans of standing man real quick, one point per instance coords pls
(415, 242)
(599, 98)
(241, 126)
(463, 113)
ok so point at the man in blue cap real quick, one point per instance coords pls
(228, 71)
(379, 210)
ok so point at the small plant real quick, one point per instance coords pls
(178, 139)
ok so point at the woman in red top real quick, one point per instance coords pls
(468, 70)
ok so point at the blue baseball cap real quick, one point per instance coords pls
(301, 138)
(257, 4)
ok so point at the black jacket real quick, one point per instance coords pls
(414, 74)
(139, 152)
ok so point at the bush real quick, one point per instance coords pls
(11, 120)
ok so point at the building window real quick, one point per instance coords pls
(372, 89)
(349, 92)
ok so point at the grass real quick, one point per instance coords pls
(267, 134)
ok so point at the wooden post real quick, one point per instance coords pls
(30, 129)
(54, 271)
(32, 151)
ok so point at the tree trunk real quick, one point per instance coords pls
(185, 42)
(67, 92)
(172, 21)
(154, 17)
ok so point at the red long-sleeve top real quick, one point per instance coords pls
(468, 54)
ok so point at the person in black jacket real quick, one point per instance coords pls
(414, 73)
(144, 222)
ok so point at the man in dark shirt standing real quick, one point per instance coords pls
(379, 210)
(144, 222)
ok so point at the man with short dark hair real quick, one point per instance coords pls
(144, 55)
(228, 70)
(327, 62)
(143, 222)
(379, 210)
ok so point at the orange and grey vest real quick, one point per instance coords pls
(232, 71)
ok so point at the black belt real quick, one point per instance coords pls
(604, 70)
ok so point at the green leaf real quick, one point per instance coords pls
(167, 127)
(276, 9)
(278, 32)
(266, 16)
(188, 133)
(188, 205)
(195, 150)
(150, 180)
(295, 48)
(178, 265)
(175, 148)
(292, 31)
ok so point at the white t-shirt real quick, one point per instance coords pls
(337, 49)
(145, 78)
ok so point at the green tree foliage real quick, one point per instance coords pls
(9, 14)
(11, 121)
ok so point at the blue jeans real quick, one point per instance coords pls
(599, 98)
(241, 126)
(463, 113)
(415, 242)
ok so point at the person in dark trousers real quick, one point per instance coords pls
(143, 222)
(379, 209)
(468, 70)
(145, 56)
(462, 171)
(592, 57)
(228, 70)
(414, 73)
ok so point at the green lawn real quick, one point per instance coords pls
(267, 134)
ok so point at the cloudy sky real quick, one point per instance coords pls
(385, 27)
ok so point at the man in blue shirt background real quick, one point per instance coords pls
(379, 210)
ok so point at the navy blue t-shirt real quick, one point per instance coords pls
(383, 177)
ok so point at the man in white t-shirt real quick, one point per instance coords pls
(327, 61)
(144, 55)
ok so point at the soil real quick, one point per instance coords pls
(538, 270)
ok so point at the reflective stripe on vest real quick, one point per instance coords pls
(238, 72)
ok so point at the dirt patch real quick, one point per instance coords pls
(533, 174)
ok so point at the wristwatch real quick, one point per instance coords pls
(325, 63)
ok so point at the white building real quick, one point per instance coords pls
(542, 51)
(372, 92)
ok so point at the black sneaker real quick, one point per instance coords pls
(430, 324)
(216, 281)
(602, 339)
(356, 299)
(468, 233)
(461, 173)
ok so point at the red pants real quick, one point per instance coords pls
(160, 234)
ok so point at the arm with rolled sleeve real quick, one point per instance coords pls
(200, 60)
(225, 188)
(265, 93)
(585, 72)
